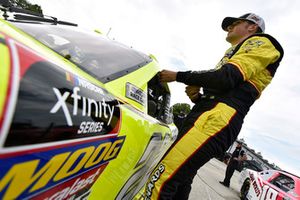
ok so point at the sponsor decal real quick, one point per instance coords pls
(59, 172)
(155, 176)
(254, 17)
(252, 44)
(90, 107)
(135, 93)
(77, 81)
(60, 107)
(73, 187)
(255, 185)
(90, 127)
(42, 107)
(143, 167)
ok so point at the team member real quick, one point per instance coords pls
(237, 157)
(227, 93)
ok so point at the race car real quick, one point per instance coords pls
(250, 164)
(81, 116)
(269, 185)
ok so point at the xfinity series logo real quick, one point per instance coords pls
(90, 107)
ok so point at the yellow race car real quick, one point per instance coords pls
(81, 116)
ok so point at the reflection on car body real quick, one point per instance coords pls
(81, 116)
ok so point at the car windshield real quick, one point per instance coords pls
(102, 58)
(284, 182)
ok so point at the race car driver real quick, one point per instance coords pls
(228, 91)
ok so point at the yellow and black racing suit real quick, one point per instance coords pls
(217, 117)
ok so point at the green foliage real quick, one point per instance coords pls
(181, 107)
(27, 6)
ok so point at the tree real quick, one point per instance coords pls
(181, 108)
(180, 111)
(26, 5)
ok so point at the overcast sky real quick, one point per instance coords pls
(187, 35)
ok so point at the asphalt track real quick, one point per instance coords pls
(206, 184)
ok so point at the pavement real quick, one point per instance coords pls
(206, 184)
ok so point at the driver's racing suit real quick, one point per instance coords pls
(217, 117)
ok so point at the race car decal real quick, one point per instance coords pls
(64, 135)
(135, 93)
(145, 165)
(269, 193)
(11, 84)
(5, 78)
(259, 190)
(56, 172)
(52, 108)
(57, 135)
(255, 184)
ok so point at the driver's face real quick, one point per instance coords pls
(237, 31)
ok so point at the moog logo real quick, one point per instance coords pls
(31, 176)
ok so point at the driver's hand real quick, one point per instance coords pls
(192, 92)
(167, 76)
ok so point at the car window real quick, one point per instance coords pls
(159, 101)
(102, 58)
(284, 182)
(252, 164)
(265, 175)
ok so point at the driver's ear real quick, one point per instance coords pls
(252, 28)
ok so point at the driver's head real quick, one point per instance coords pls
(249, 17)
(239, 28)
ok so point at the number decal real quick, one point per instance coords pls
(144, 167)
(269, 193)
